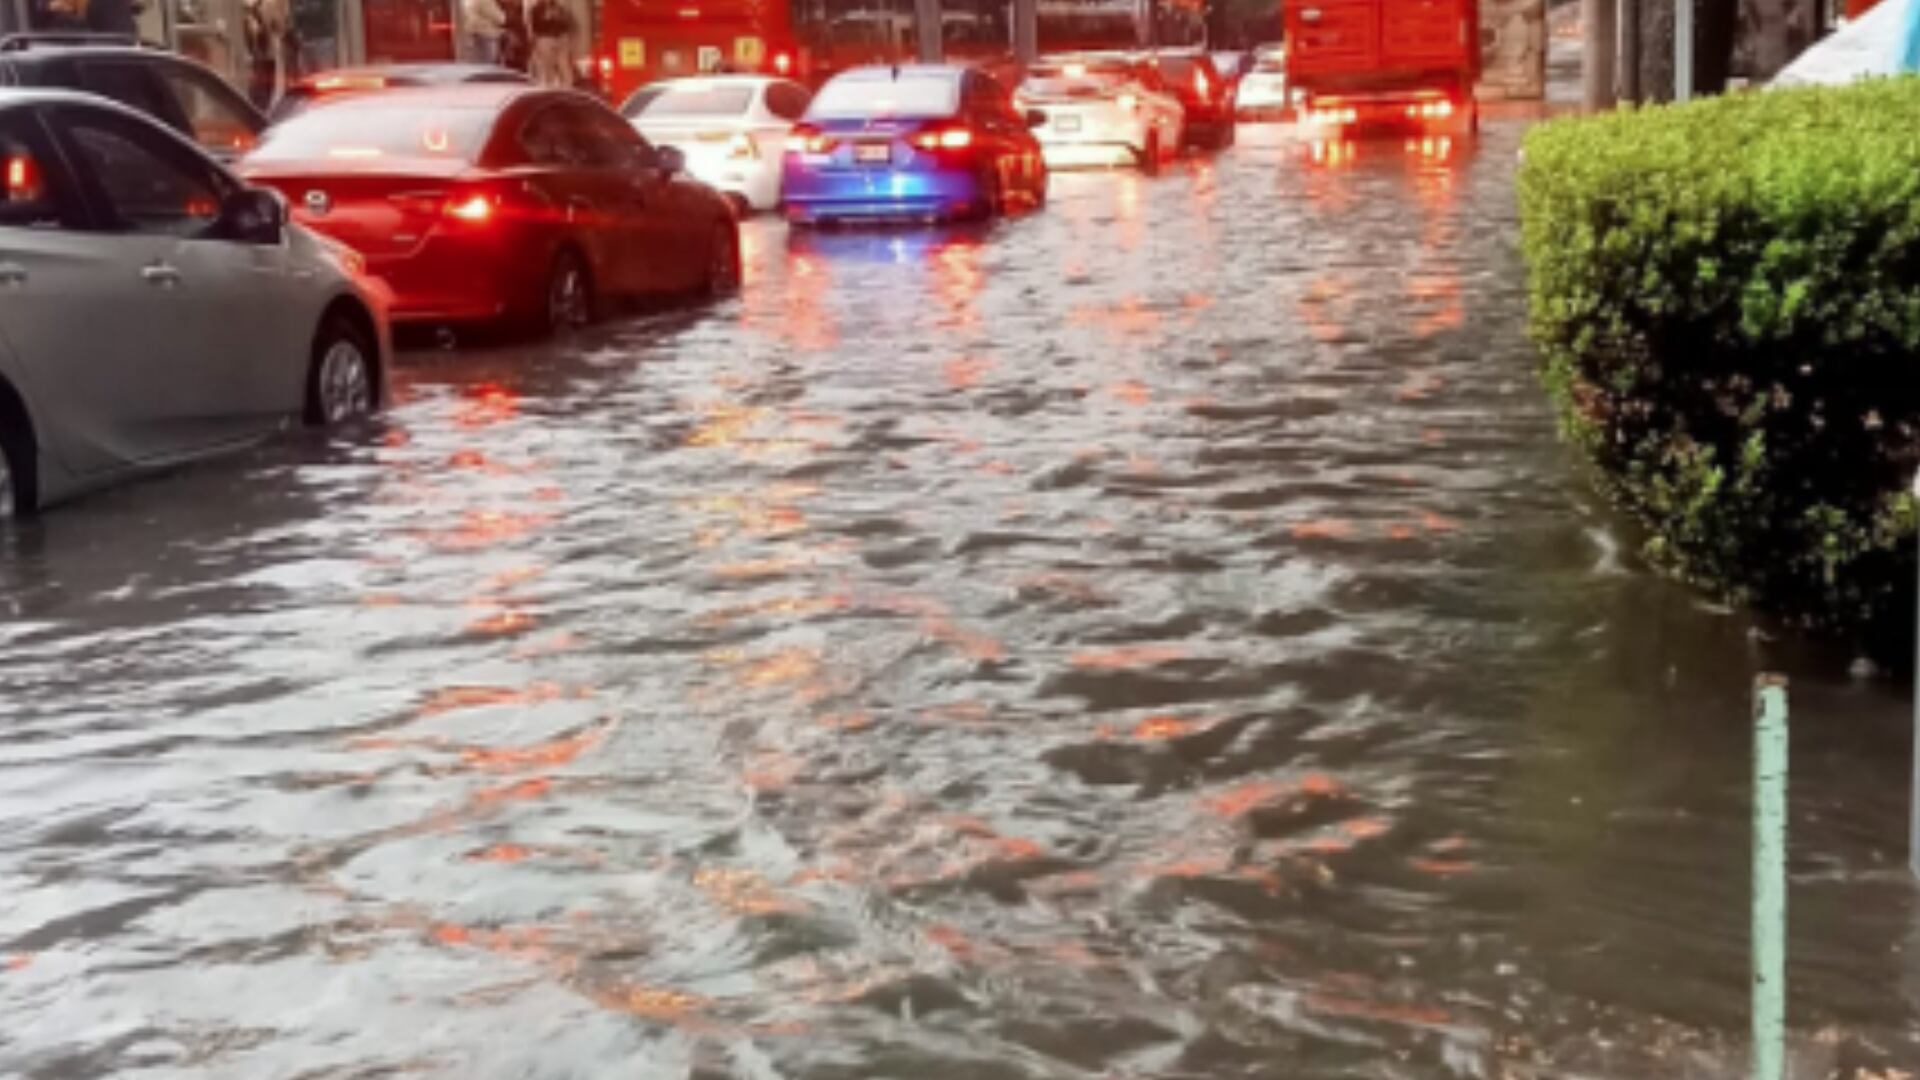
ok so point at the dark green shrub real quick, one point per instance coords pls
(1727, 300)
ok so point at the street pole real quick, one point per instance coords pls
(1026, 31)
(1769, 877)
(926, 22)
(1683, 50)
(1913, 856)
(1629, 59)
(1597, 24)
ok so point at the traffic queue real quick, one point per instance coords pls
(275, 252)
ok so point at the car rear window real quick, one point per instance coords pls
(1077, 79)
(351, 130)
(908, 95)
(698, 101)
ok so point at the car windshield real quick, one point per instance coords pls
(696, 100)
(1076, 79)
(908, 95)
(363, 131)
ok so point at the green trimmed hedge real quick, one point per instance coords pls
(1726, 296)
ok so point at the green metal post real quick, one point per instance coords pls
(1770, 878)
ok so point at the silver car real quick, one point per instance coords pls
(154, 309)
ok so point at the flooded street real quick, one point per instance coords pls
(1156, 637)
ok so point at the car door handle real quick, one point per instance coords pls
(161, 274)
(12, 274)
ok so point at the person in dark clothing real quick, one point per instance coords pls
(111, 17)
(516, 45)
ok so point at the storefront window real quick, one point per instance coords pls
(400, 31)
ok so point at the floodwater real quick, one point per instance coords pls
(1158, 637)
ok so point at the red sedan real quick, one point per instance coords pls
(480, 203)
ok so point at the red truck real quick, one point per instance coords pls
(1363, 63)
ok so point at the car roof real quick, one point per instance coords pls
(877, 73)
(715, 80)
(19, 46)
(1095, 55)
(447, 73)
(465, 95)
(11, 96)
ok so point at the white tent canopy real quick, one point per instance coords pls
(1871, 45)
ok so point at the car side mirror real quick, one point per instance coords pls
(252, 216)
(670, 159)
(1036, 118)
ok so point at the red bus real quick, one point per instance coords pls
(640, 41)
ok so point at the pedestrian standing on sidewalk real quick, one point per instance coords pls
(516, 43)
(552, 27)
(486, 23)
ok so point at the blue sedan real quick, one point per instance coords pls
(916, 143)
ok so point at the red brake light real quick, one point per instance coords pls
(782, 62)
(951, 138)
(329, 83)
(1200, 85)
(805, 139)
(22, 179)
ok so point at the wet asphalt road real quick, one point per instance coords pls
(1158, 637)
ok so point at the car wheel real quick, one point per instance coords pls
(723, 261)
(341, 380)
(569, 293)
(1150, 154)
(11, 498)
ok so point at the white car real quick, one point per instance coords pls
(732, 130)
(153, 308)
(1103, 109)
(1263, 89)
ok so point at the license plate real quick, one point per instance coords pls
(1067, 123)
(873, 153)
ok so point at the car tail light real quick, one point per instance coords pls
(1200, 84)
(328, 84)
(741, 147)
(475, 209)
(805, 139)
(783, 62)
(946, 138)
(23, 179)
(1128, 102)
(1430, 110)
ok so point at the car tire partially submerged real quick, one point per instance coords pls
(723, 263)
(340, 385)
(568, 303)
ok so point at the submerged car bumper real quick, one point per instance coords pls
(1069, 155)
(880, 195)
